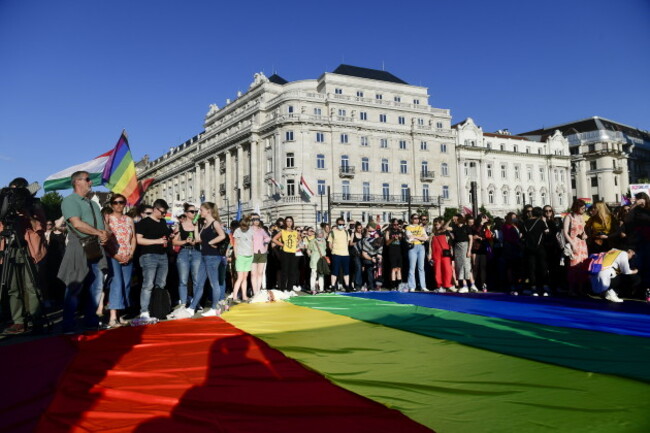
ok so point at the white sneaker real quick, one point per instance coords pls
(440, 290)
(463, 289)
(184, 313)
(611, 296)
(473, 289)
(145, 315)
(210, 312)
(424, 289)
(452, 289)
(297, 289)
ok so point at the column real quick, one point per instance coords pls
(624, 177)
(228, 177)
(208, 181)
(197, 183)
(255, 172)
(240, 172)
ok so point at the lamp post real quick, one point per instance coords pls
(227, 211)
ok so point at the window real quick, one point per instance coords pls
(345, 162)
(318, 112)
(385, 191)
(290, 160)
(364, 140)
(269, 165)
(542, 176)
(517, 173)
(425, 167)
(359, 94)
(291, 187)
(445, 192)
(518, 197)
(502, 147)
(439, 125)
(443, 148)
(489, 145)
(397, 99)
(592, 165)
(344, 138)
(504, 173)
(320, 137)
(365, 164)
(405, 192)
(416, 102)
(363, 115)
(529, 172)
(401, 120)
(321, 187)
(382, 118)
(531, 197)
(444, 169)
(491, 197)
(403, 167)
(515, 149)
(556, 174)
(366, 191)
(379, 96)
(338, 91)
(527, 149)
(592, 148)
(423, 145)
(384, 165)
(402, 144)
(290, 109)
(425, 193)
(345, 189)
(288, 136)
(420, 121)
(489, 170)
(342, 112)
(320, 161)
(616, 181)
(594, 181)
(543, 196)
(504, 195)
(383, 143)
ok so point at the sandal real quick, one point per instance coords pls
(113, 324)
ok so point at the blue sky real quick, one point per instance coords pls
(73, 74)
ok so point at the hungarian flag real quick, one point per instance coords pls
(305, 188)
(94, 167)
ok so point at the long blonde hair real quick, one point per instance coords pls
(603, 215)
(213, 210)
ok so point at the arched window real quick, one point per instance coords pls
(444, 169)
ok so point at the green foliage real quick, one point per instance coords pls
(450, 212)
(52, 205)
(485, 212)
(643, 180)
(422, 211)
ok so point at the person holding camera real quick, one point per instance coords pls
(84, 263)
(29, 226)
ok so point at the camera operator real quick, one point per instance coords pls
(29, 226)
(79, 271)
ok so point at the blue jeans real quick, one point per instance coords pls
(416, 257)
(212, 270)
(120, 288)
(154, 272)
(222, 278)
(93, 282)
(188, 261)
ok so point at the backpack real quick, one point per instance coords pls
(160, 304)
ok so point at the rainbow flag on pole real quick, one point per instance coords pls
(119, 173)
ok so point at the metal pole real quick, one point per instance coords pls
(329, 205)
(408, 197)
(321, 208)
(227, 212)
(440, 206)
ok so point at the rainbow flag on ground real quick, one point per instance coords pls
(119, 173)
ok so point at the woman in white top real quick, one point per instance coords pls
(243, 250)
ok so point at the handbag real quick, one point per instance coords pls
(90, 244)
(323, 264)
(446, 252)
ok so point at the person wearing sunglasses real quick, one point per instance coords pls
(79, 272)
(188, 260)
(122, 246)
(153, 235)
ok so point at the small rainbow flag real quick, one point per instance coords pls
(587, 201)
(119, 173)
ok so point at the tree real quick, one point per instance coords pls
(450, 212)
(52, 205)
(486, 212)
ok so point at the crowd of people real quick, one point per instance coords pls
(115, 260)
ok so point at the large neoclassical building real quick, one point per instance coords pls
(365, 136)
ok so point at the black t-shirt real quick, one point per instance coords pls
(150, 229)
(461, 234)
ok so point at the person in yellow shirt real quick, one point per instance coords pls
(416, 237)
(338, 241)
(287, 238)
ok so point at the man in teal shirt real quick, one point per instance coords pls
(84, 219)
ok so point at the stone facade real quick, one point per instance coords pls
(511, 171)
(376, 144)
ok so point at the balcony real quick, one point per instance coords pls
(381, 199)
(427, 176)
(247, 181)
(346, 171)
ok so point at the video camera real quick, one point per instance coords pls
(14, 200)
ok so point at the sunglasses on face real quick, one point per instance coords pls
(118, 202)
(148, 213)
(162, 211)
(87, 179)
(192, 211)
(255, 219)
